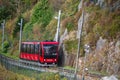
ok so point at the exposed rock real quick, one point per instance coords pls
(101, 3)
(63, 37)
(70, 36)
(69, 59)
(106, 57)
(117, 47)
(109, 78)
(80, 5)
(116, 68)
(100, 43)
(113, 58)
(115, 6)
(80, 22)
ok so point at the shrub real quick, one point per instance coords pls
(5, 46)
(42, 13)
(70, 26)
(17, 27)
(27, 31)
(6, 10)
(71, 46)
(70, 7)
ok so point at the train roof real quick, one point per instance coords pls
(38, 42)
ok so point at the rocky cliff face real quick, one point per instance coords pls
(104, 55)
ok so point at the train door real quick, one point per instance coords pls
(23, 51)
(36, 56)
(41, 59)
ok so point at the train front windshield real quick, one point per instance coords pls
(50, 50)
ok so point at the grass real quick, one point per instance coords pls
(102, 73)
(92, 8)
(69, 68)
(37, 75)
(31, 74)
(10, 56)
(8, 75)
(71, 46)
(97, 73)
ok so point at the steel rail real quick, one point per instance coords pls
(36, 66)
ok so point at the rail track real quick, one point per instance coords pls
(36, 66)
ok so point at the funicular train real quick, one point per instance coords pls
(44, 52)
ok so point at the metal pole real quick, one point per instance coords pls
(20, 34)
(87, 50)
(58, 27)
(84, 67)
(77, 57)
(3, 26)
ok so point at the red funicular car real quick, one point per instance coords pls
(44, 52)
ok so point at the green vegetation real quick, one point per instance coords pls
(97, 73)
(12, 8)
(39, 23)
(42, 22)
(35, 22)
(11, 56)
(92, 8)
(36, 75)
(70, 26)
(41, 15)
(11, 11)
(102, 23)
(8, 75)
(5, 47)
(69, 68)
(71, 46)
(70, 7)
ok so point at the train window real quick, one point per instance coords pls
(32, 48)
(50, 49)
(37, 48)
(22, 47)
(40, 50)
(28, 48)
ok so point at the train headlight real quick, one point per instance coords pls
(55, 60)
(44, 59)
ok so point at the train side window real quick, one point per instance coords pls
(40, 51)
(28, 48)
(32, 48)
(22, 47)
(37, 48)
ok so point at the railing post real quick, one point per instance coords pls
(3, 27)
(57, 35)
(20, 24)
(79, 40)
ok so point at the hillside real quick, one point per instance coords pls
(101, 30)
(8, 75)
